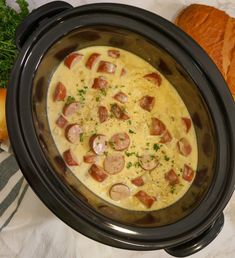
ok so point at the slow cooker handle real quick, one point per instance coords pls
(199, 242)
(35, 18)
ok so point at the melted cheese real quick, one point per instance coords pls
(168, 107)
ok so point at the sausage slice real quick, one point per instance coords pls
(72, 132)
(119, 192)
(172, 177)
(121, 97)
(120, 141)
(61, 121)
(146, 199)
(106, 67)
(97, 173)
(188, 173)
(70, 109)
(114, 53)
(69, 158)
(187, 123)
(123, 72)
(154, 78)
(60, 92)
(157, 127)
(114, 164)
(118, 112)
(72, 59)
(93, 58)
(166, 137)
(100, 83)
(147, 103)
(148, 162)
(184, 147)
(138, 181)
(103, 114)
(98, 143)
(90, 158)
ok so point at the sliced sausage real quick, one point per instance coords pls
(70, 109)
(184, 147)
(138, 181)
(106, 67)
(90, 158)
(172, 177)
(121, 97)
(72, 59)
(148, 162)
(69, 158)
(188, 173)
(93, 58)
(114, 53)
(119, 192)
(61, 121)
(123, 72)
(187, 123)
(100, 83)
(154, 78)
(97, 173)
(145, 199)
(114, 164)
(103, 114)
(157, 127)
(166, 137)
(98, 143)
(120, 141)
(118, 112)
(72, 132)
(147, 103)
(60, 92)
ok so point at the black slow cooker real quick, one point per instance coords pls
(54, 30)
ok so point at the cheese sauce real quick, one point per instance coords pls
(162, 151)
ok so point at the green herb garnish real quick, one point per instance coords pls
(81, 137)
(70, 100)
(156, 146)
(130, 131)
(9, 21)
(128, 165)
(166, 158)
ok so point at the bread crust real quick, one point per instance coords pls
(214, 31)
(3, 126)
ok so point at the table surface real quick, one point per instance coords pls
(223, 245)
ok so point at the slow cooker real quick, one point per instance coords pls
(54, 30)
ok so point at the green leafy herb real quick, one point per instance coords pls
(97, 99)
(9, 20)
(129, 122)
(128, 165)
(156, 147)
(166, 158)
(128, 154)
(130, 131)
(70, 100)
(137, 164)
(81, 93)
(81, 137)
(103, 92)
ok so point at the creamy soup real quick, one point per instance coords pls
(122, 128)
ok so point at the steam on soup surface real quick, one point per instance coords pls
(122, 128)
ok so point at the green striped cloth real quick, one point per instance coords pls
(13, 186)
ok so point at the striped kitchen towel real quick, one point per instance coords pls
(13, 186)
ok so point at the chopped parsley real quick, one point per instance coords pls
(128, 154)
(70, 100)
(129, 122)
(97, 99)
(156, 146)
(137, 164)
(81, 137)
(128, 165)
(130, 131)
(81, 93)
(166, 158)
(103, 92)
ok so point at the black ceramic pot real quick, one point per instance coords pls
(44, 38)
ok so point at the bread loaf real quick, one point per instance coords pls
(3, 126)
(214, 30)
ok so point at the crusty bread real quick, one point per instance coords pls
(214, 30)
(3, 126)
